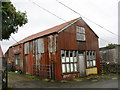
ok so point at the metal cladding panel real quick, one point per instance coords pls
(67, 41)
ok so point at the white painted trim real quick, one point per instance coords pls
(68, 25)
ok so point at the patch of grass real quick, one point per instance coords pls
(10, 86)
(12, 78)
(52, 80)
(13, 73)
(31, 77)
(46, 80)
(78, 79)
(63, 81)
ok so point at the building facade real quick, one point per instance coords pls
(110, 54)
(65, 51)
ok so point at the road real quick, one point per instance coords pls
(0, 79)
(20, 81)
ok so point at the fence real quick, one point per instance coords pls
(43, 71)
(109, 68)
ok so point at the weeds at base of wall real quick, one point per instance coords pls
(32, 77)
(13, 73)
(10, 86)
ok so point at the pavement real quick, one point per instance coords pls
(103, 81)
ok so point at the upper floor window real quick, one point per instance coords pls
(80, 33)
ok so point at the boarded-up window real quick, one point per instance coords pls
(17, 59)
(31, 46)
(91, 58)
(26, 48)
(33, 49)
(36, 46)
(80, 33)
(52, 43)
(41, 45)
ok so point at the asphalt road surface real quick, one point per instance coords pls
(20, 81)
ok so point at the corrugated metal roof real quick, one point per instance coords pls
(46, 32)
(1, 52)
(51, 30)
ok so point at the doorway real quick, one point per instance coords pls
(81, 63)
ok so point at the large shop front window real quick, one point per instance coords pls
(91, 58)
(69, 61)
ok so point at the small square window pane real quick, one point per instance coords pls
(63, 59)
(75, 59)
(71, 59)
(67, 59)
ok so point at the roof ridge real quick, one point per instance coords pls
(46, 32)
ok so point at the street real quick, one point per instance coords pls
(20, 81)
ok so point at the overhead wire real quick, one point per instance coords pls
(63, 19)
(87, 19)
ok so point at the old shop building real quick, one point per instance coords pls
(65, 51)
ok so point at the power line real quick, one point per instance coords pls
(61, 18)
(48, 11)
(88, 19)
(14, 39)
(57, 17)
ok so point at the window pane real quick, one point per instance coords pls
(75, 65)
(77, 28)
(68, 68)
(63, 59)
(75, 59)
(63, 68)
(71, 59)
(67, 53)
(67, 59)
(91, 63)
(71, 66)
(78, 36)
(88, 65)
(94, 63)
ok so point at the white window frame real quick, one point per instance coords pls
(69, 65)
(91, 59)
(80, 33)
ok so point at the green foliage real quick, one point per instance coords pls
(46, 80)
(11, 19)
(31, 77)
(13, 73)
(111, 44)
(64, 81)
(78, 79)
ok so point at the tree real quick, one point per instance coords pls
(11, 19)
(111, 44)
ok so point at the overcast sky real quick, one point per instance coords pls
(102, 12)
